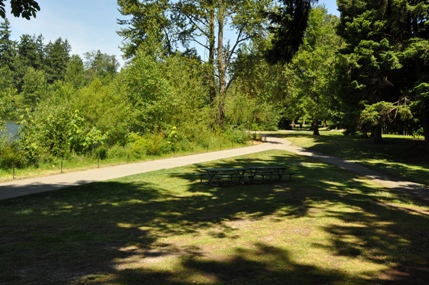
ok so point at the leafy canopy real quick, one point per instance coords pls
(20, 8)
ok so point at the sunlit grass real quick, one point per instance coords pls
(403, 157)
(326, 226)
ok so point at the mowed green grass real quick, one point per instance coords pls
(402, 157)
(326, 226)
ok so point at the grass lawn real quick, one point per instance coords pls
(326, 226)
(402, 157)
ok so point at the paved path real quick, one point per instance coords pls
(23, 187)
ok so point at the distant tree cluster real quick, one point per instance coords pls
(29, 67)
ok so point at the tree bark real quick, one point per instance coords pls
(425, 123)
(316, 128)
(221, 64)
(377, 136)
(211, 59)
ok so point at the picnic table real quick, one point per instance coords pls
(232, 174)
(244, 175)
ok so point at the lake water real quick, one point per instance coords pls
(12, 129)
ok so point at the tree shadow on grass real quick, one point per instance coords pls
(402, 153)
(384, 234)
(245, 266)
(91, 234)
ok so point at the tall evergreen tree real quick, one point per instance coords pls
(57, 55)
(387, 54)
(288, 24)
(7, 46)
(30, 53)
(75, 72)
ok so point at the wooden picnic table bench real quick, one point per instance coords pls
(244, 175)
(215, 175)
(260, 174)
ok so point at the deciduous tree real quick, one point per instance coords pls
(20, 8)
(100, 65)
(203, 22)
(314, 63)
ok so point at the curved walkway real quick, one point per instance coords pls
(23, 187)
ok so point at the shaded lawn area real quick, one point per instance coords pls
(402, 157)
(326, 226)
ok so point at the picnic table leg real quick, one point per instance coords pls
(280, 172)
(255, 179)
(211, 177)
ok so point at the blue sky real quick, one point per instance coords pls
(87, 24)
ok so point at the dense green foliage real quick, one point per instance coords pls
(386, 55)
(67, 105)
(312, 67)
(174, 26)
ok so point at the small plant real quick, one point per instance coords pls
(155, 144)
(173, 138)
(101, 152)
(7, 157)
(236, 135)
(117, 151)
(137, 145)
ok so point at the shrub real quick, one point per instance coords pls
(136, 145)
(117, 151)
(155, 144)
(101, 152)
(11, 157)
(237, 136)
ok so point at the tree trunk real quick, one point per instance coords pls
(316, 128)
(221, 64)
(425, 123)
(211, 59)
(377, 135)
(315, 96)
